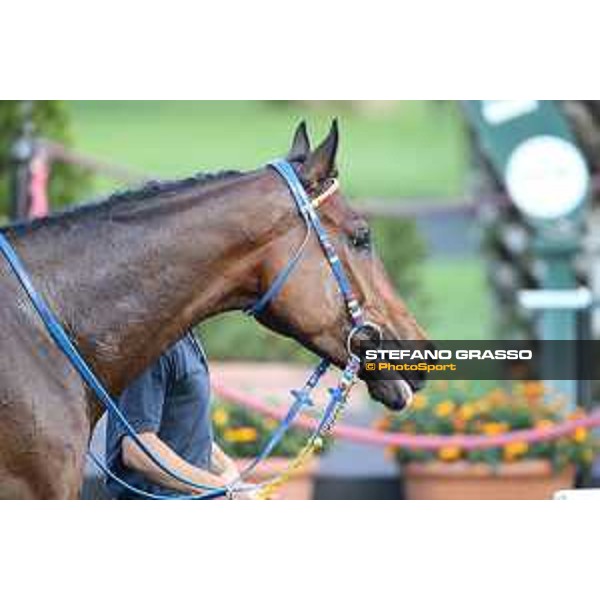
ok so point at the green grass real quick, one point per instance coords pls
(409, 149)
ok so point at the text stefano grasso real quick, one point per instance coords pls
(439, 354)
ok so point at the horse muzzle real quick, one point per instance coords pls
(395, 394)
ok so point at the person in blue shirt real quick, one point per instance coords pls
(169, 407)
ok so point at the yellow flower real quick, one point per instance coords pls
(494, 428)
(419, 402)
(445, 408)
(220, 417)
(580, 435)
(466, 412)
(515, 450)
(241, 435)
(449, 453)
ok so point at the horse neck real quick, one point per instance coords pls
(129, 283)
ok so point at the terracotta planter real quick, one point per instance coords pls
(299, 487)
(525, 480)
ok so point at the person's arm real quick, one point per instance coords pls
(134, 458)
(142, 403)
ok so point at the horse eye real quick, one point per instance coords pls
(361, 238)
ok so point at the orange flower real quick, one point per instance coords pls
(383, 424)
(449, 453)
(515, 450)
(544, 424)
(419, 402)
(445, 408)
(580, 435)
(533, 389)
(466, 412)
(241, 435)
(494, 428)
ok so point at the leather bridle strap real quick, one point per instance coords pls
(306, 209)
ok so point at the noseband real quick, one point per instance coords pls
(307, 209)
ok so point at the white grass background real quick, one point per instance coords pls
(265, 49)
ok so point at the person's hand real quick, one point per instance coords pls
(231, 474)
(246, 495)
(233, 478)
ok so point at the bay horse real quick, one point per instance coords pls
(128, 276)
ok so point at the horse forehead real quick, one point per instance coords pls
(339, 213)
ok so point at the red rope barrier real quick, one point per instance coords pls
(38, 187)
(422, 442)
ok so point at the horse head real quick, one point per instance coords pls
(309, 306)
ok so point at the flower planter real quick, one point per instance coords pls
(300, 486)
(522, 480)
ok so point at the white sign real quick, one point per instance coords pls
(496, 112)
(588, 494)
(547, 177)
(576, 299)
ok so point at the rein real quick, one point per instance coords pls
(307, 209)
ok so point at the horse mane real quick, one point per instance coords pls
(105, 205)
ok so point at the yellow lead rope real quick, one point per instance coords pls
(314, 444)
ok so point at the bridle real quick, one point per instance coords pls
(307, 209)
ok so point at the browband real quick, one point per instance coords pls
(332, 189)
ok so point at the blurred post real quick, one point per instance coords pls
(22, 153)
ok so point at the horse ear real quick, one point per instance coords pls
(320, 164)
(301, 145)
